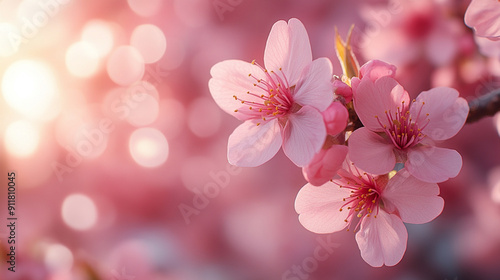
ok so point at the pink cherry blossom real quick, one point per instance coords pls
(397, 130)
(377, 205)
(335, 117)
(325, 165)
(280, 103)
(373, 70)
(484, 17)
(342, 89)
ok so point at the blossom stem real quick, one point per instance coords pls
(483, 106)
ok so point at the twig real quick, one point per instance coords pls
(483, 106)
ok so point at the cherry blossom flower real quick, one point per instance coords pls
(325, 165)
(376, 205)
(397, 130)
(280, 103)
(484, 17)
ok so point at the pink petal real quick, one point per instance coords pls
(315, 87)
(382, 240)
(447, 112)
(484, 17)
(335, 118)
(304, 135)
(288, 48)
(372, 100)
(251, 145)
(318, 207)
(342, 89)
(371, 152)
(325, 164)
(229, 78)
(375, 69)
(417, 202)
(432, 164)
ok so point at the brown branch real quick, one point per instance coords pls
(483, 106)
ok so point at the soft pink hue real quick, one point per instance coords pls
(342, 89)
(484, 17)
(335, 118)
(281, 104)
(418, 31)
(373, 70)
(325, 165)
(397, 130)
(378, 207)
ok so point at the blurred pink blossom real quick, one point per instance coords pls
(408, 131)
(280, 104)
(381, 205)
(484, 17)
(417, 31)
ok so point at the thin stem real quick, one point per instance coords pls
(483, 106)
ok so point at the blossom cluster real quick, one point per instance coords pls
(370, 153)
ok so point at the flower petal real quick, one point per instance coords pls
(342, 89)
(288, 48)
(482, 16)
(315, 86)
(325, 165)
(382, 239)
(447, 112)
(417, 202)
(335, 117)
(318, 207)
(251, 145)
(371, 152)
(375, 69)
(432, 164)
(304, 135)
(373, 100)
(230, 78)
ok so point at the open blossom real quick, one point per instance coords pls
(484, 17)
(399, 130)
(377, 206)
(280, 103)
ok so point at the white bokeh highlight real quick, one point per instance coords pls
(79, 212)
(148, 147)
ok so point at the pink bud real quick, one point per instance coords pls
(335, 118)
(325, 165)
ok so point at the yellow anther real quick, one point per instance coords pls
(236, 110)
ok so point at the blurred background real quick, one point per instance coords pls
(120, 152)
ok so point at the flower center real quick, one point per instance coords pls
(401, 128)
(271, 99)
(365, 194)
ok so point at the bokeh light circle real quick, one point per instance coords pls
(82, 59)
(79, 212)
(125, 65)
(148, 147)
(145, 8)
(30, 88)
(99, 34)
(21, 138)
(150, 41)
(58, 258)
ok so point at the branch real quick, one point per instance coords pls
(486, 105)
